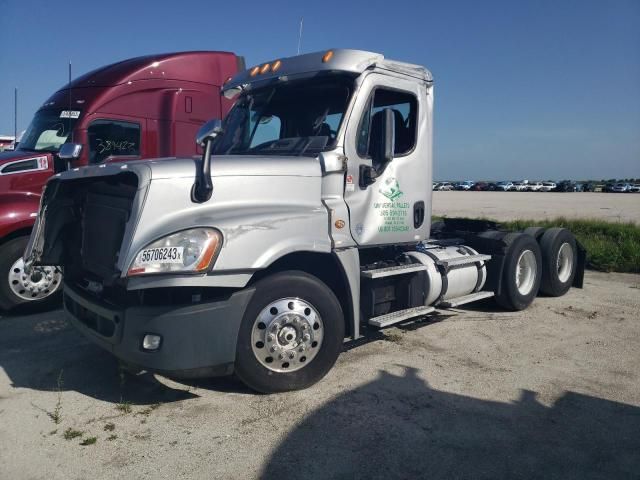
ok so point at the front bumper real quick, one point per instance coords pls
(198, 340)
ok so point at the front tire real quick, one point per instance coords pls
(41, 288)
(291, 333)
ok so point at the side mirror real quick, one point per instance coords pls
(382, 146)
(203, 187)
(70, 151)
(209, 131)
(389, 136)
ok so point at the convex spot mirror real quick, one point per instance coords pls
(70, 151)
(209, 131)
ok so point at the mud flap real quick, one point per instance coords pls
(578, 279)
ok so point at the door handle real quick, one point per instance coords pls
(418, 214)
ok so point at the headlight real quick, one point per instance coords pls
(190, 250)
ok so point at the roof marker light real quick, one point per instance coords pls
(276, 65)
(254, 71)
(327, 56)
(265, 68)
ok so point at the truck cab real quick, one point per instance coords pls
(306, 221)
(144, 107)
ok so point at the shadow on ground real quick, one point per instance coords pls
(399, 427)
(38, 350)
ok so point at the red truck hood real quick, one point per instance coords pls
(12, 155)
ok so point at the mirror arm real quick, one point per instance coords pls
(368, 175)
(203, 186)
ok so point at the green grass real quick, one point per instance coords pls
(89, 441)
(611, 246)
(70, 434)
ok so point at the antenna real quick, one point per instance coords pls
(15, 117)
(69, 86)
(300, 35)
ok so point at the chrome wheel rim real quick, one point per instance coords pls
(287, 335)
(564, 262)
(41, 283)
(526, 272)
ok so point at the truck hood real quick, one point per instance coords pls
(272, 200)
(237, 165)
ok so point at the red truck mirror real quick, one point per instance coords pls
(70, 151)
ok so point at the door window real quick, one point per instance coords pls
(111, 138)
(404, 106)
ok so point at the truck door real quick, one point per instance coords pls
(396, 208)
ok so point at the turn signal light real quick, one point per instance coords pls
(327, 56)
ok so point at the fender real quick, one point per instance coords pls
(18, 211)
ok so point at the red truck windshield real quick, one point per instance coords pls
(48, 130)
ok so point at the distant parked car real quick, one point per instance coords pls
(480, 186)
(504, 186)
(608, 188)
(444, 186)
(621, 187)
(519, 186)
(635, 188)
(534, 186)
(466, 185)
(547, 186)
(565, 186)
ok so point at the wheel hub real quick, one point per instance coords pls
(526, 272)
(287, 335)
(42, 282)
(564, 262)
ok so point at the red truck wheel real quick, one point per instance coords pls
(16, 287)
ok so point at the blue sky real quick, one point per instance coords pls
(524, 89)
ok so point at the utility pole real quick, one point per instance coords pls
(15, 116)
(300, 35)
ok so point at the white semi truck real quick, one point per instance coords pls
(307, 218)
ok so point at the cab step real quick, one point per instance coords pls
(463, 260)
(472, 297)
(389, 319)
(395, 270)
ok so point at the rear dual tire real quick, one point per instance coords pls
(521, 273)
(559, 261)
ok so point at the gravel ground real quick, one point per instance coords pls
(551, 392)
(614, 207)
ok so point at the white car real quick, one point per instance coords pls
(547, 186)
(466, 185)
(519, 186)
(621, 187)
(635, 188)
(444, 186)
(534, 186)
(504, 186)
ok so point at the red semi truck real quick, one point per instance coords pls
(145, 107)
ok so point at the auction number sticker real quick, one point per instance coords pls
(161, 255)
(70, 114)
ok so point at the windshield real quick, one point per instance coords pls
(296, 118)
(48, 130)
